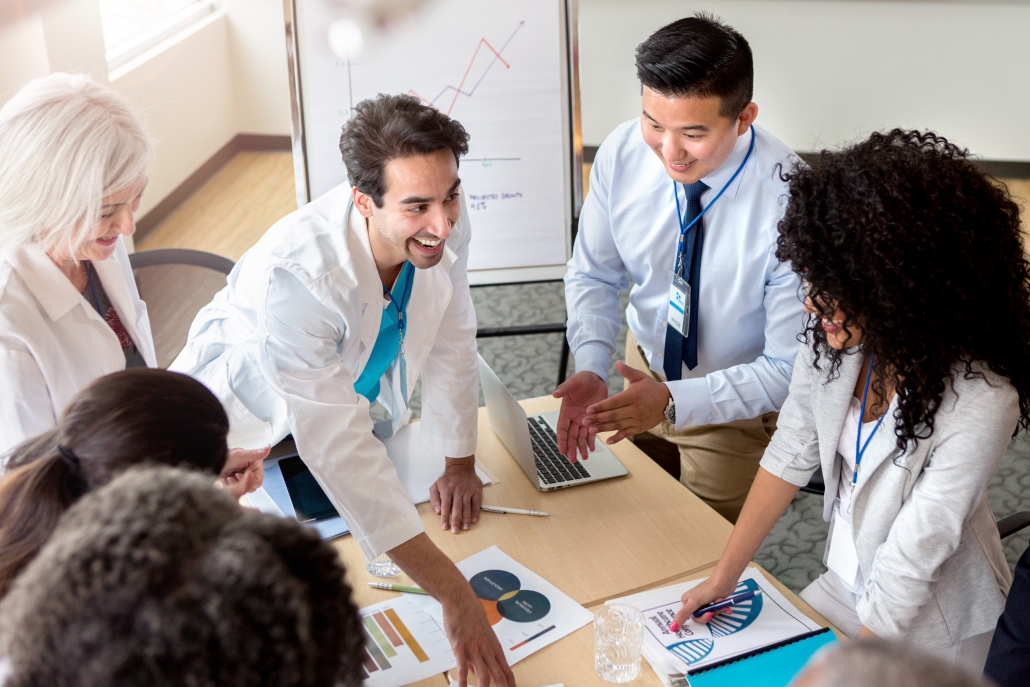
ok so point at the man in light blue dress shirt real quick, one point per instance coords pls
(711, 385)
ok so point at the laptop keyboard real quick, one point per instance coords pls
(552, 466)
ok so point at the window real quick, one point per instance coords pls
(131, 27)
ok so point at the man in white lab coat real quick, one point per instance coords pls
(347, 301)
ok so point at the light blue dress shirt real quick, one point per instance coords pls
(750, 311)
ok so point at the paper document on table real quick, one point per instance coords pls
(764, 620)
(403, 644)
(416, 467)
(527, 612)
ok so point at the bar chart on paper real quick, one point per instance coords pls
(403, 644)
(496, 67)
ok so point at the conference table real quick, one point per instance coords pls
(601, 541)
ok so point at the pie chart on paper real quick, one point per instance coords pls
(502, 597)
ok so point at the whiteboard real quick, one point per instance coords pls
(501, 68)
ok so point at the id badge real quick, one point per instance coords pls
(842, 558)
(679, 305)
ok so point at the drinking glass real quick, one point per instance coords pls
(618, 636)
(381, 566)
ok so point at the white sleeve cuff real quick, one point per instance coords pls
(693, 401)
(593, 357)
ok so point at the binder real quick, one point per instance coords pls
(771, 666)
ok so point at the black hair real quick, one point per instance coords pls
(699, 56)
(923, 253)
(394, 126)
(159, 580)
(132, 417)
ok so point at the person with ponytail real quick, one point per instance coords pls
(137, 416)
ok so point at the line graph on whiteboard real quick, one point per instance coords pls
(496, 68)
(459, 89)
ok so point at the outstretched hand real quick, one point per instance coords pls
(705, 593)
(475, 645)
(577, 393)
(629, 412)
(244, 471)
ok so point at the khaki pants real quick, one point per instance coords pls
(717, 462)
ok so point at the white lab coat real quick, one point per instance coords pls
(52, 341)
(283, 343)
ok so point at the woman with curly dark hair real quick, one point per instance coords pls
(913, 375)
(159, 580)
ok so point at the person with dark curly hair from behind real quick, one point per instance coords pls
(133, 417)
(159, 580)
(913, 375)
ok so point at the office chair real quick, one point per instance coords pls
(176, 283)
(1007, 526)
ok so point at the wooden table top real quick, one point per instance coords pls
(601, 541)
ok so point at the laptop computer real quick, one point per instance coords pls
(534, 444)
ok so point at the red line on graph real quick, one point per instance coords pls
(482, 42)
(460, 89)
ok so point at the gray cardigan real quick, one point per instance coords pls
(927, 542)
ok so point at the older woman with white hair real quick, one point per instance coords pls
(73, 166)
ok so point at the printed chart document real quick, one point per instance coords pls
(527, 612)
(403, 644)
(417, 468)
(764, 620)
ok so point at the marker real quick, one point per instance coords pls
(719, 605)
(514, 511)
(397, 588)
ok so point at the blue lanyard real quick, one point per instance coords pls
(859, 446)
(405, 296)
(679, 213)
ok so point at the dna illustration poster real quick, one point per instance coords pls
(761, 621)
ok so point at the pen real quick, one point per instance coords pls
(719, 605)
(515, 511)
(398, 588)
(727, 602)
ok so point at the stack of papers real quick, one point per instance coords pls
(416, 467)
(763, 621)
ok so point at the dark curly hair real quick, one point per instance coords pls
(158, 579)
(393, 126)
(923, 252)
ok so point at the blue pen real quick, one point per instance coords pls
(727, 602)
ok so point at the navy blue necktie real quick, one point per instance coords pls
(677, 349)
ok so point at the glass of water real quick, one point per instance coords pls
(618, 636)
(381, 566)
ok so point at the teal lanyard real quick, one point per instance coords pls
(859, 446)
(403, 302)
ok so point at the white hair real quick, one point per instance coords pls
(66, 142)
(881, 663)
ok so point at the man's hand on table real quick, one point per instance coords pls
(577, 393)
(472, 638)
(474, 643)
(629, 412)
(457, 495)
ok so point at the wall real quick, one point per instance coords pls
(225, 75)
(185, 93)
(830, 71)
(261, 88)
